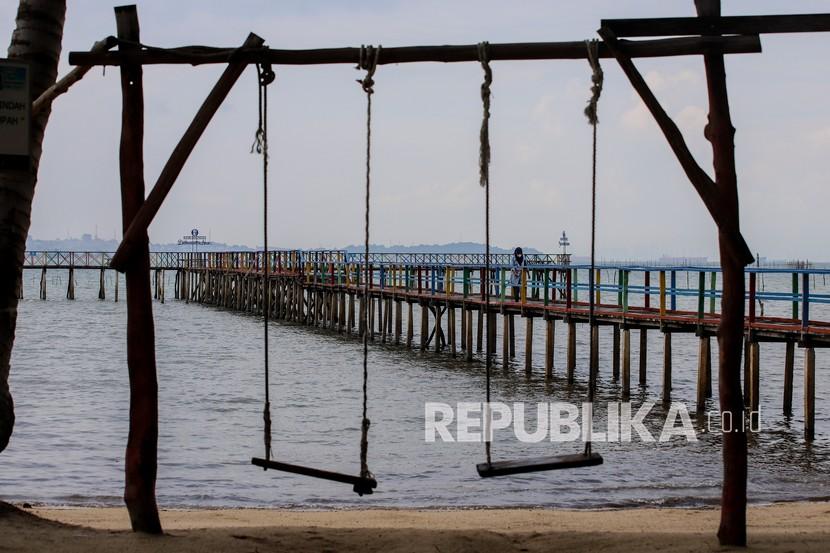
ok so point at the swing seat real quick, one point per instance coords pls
(361, 484)
(538, 464)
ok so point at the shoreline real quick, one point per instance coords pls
(785, 526)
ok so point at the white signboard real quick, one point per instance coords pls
(15, 112)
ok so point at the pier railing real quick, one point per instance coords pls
(795, 294)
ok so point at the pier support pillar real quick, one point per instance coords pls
(571, 351)
(469, 352)
(491, 333)
(626, 364)
(789, 361)
(70, 284)
(529, 346)
(809, 394)
(451, 328)
(410, 322)
(424, 326)
(643, 355)
(398, 320)
(755, 377)
(615, 353)
(505, 340)
(43, 283)
(480, 330)
(464, 327)
(667, 368)
(704, 371)
(549, 337)
(594, 350)
(512, 329)
(437, 330)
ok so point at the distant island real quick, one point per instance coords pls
(90, 243)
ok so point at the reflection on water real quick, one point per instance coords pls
(70, 384)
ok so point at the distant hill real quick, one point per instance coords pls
(89, 243)
(453, 247)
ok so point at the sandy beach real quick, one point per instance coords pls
(779, 527)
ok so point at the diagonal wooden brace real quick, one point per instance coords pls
(702, 182)
(138, 227)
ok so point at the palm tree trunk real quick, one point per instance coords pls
(37, 40)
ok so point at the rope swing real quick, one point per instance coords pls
(591, 114)
(365, 482)
(265, 76)
(484, 180)
(369, 61)
(554, 462)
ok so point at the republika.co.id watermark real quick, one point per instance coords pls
(570, 422)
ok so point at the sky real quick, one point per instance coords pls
(425, 132)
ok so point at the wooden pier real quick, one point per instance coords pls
(324, 289)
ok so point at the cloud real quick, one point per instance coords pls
(691, 120)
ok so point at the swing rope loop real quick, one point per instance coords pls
(368, 61)
(591, 113)
(484, 135)
(484, 180)
(265, 76)
(597, 78)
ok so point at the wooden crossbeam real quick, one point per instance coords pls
(737, 25)
(198, 55)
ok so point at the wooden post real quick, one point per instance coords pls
(747, 370)
(491, 333)
(615, 361)
(594, 353)
(464, 326)
(529, 346)
(505, 340)
(720, 134)
(549, 343)
(350, 322)
(70, 284)
(469, 329)
(626, 364)
(809, 393)
(424, 325)
(451, 328)
(437, 331)
(410, 328)
(643, 355)
(512, 320)
(666, 368)
(755, 377)
(703, 371)
(480, 329)
(789, 361)
(102, 284)
(361, 326)
(141, 457)
(398, 320)
(43, 283)
(571, 351)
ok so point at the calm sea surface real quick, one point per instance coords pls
(69, 381)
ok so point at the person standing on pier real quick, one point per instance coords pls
(516, 272)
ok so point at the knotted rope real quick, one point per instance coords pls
(368, 61)
(484, 180)
(591, 113)
(265, 76)
(596, 80)
(484, 134)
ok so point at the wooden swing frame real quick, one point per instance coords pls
(718, 36)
